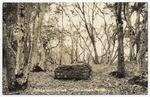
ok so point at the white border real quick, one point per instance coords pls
(74, 0)
(1, 2)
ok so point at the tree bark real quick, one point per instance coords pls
(72, 51)
(21, 61)
(121, 65)
(127, 15)
(8, 52)
(9, 55)
(96, 61)
(132, 54)
(141, 41)
(19, 33)
(37, 53)
(141, 54)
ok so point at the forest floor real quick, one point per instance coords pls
(100, 83)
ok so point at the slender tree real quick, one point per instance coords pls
(120, 35)
(120, 73)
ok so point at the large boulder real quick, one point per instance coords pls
(75, 72)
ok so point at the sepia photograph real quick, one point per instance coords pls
(75, 48)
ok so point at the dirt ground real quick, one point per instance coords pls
(101, 83)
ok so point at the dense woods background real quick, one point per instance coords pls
(112, 38)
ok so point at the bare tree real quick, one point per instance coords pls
(141, 37)
(120, 73)
(89, 27)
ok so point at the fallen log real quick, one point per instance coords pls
(73, 72)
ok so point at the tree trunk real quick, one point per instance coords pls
(96, 61)
(141, 42)
(72, 51)
(141, 55)
(131, 56)
(37, 56)
(127, 15)
(19, 33)
(90, 31)
(137, 42)
(121, 67)
(132, 51)
(21, 37)
(140, 77)
(14, 56)
(76, 51)
(28, 45)
(120, 73)
(9, 55)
